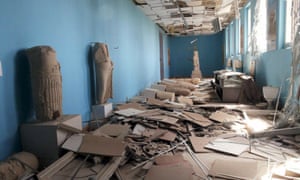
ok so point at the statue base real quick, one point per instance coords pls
(101, 111)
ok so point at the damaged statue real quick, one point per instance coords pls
(104, 68)
(196, 73)
(46, 82)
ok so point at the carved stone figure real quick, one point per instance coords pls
(196, 72)
(18, 165)
(104, 68)
(46, 82)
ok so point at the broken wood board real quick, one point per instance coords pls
(220, 116)
(154, 134)
(234, 169)
(128, 112)
(164, 95)
(69, 128)
(164, 119)
(102, 146)
(198, 143)
(138, 99)
(273, 152)
(131, 105)
(161, 134)
(198, 119)
(160, 87)
(169, 159)
(156, 102)
(77, 168)
(283, 131)
(138, 129)
(149, 93)
(92, 144)
(55, 167)
(168, 136)
(179, 84)
(113, 130)
(73, 143)
(227, 146)
(178, 90)
(184, 100)
(149, 113)
(108, 170)
(170, 172)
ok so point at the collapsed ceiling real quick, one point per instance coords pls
(191, 17)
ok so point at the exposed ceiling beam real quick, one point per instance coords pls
(190, 16)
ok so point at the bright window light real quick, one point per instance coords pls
(249, 27)
(288, 23)
(261, 33)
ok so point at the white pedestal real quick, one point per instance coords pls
(149, 93)
(44, 138)
(101, 111)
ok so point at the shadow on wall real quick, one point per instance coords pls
(91, 75)
(23, 91)
(23, 94)
(260, 74)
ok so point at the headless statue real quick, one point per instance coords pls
(104, 68)
(196, 72)
(46, 82)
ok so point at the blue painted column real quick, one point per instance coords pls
(280, 16)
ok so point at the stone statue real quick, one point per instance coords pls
(196, 72)
(104, 68)
(46, 82)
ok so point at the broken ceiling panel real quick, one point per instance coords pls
(190, 17)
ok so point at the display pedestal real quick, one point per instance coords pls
(43, 138)
(101, 111)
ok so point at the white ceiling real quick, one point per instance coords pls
(191, 17)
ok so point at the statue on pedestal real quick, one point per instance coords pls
(104, 69)
(196, 72)
(46, 82)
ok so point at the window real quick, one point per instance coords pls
(249, 27)
(227, 43)
(272, 24)
(241, 38)
(259, 27)
(232, 37)
(288, 23)
(237, 35)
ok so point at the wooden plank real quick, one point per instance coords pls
(168, 136)
(51, 170)
(170, 172)
(165, 119)
(131, 105)
(98, 145)
(113, 130)
(184, 100)
(169, 159)
(201, 120)
(270, 133)
(128, 112)
(198, 143)
(227, 146)
(234, 169)
(220, 116)
(108, 170)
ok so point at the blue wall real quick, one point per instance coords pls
(210, 49)
(273, 68)
(70, 27)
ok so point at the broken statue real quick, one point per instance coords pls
(104, 68)
(46, 82)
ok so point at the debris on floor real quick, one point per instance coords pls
(191, 136)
